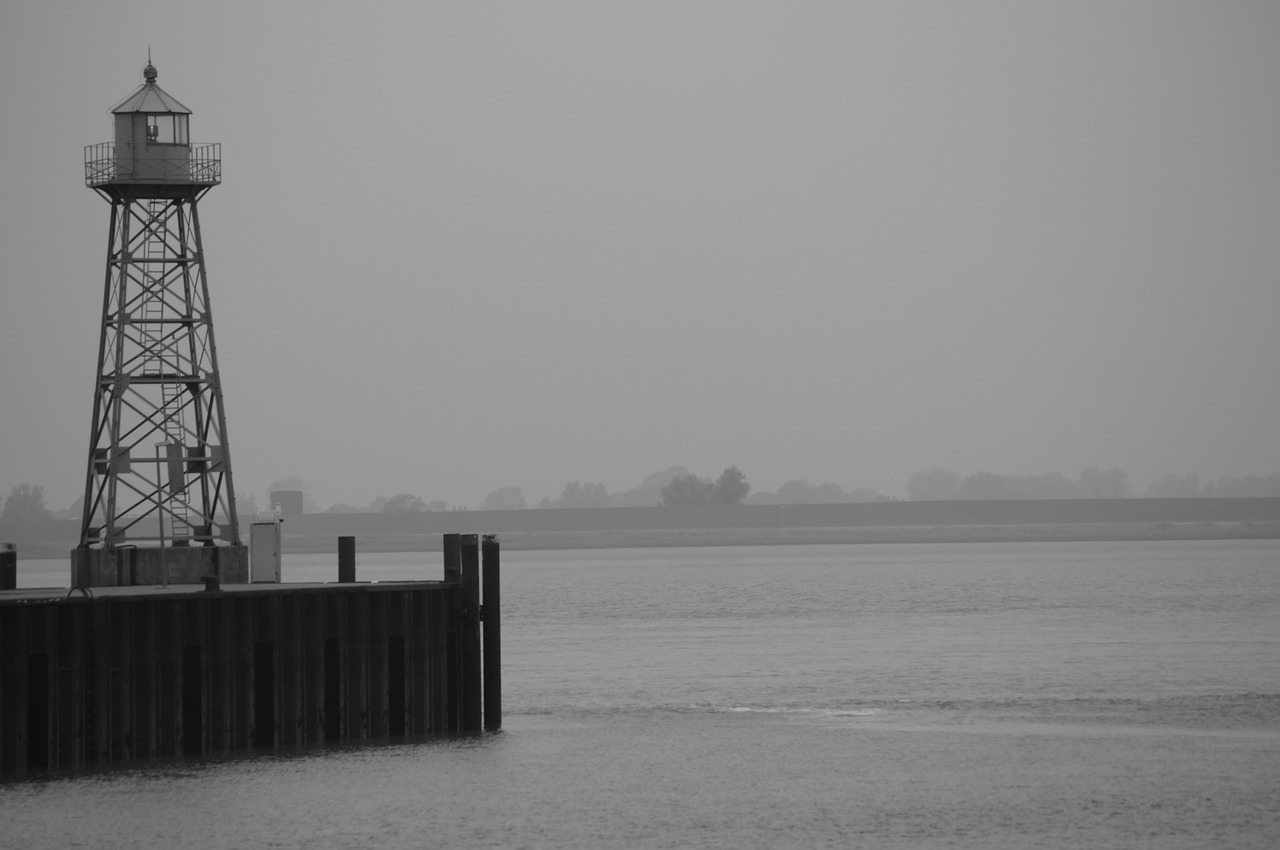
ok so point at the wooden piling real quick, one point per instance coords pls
(470, 706)
(492, 633)
(346, 559)
(451, 546)
(8, 567)
(445, 662)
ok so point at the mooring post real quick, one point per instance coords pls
(452, 557)
(346, 559)
(492, 627)
(8, 568)
(469, 639)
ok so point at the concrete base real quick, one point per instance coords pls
(143, 566)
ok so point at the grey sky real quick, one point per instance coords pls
(465, 245)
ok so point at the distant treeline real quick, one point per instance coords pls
(677, 486)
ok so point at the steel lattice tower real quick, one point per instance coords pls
(159, 470)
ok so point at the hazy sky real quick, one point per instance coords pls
(466, 245)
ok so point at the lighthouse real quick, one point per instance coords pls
(159, 504)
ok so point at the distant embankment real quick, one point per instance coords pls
(865, 522)
(718, 525)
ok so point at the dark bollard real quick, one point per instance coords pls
(346, 559)
(492, 633)
(452, 557)
(8, 567)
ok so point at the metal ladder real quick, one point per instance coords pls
(178, 503)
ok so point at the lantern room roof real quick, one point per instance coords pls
(150, 97)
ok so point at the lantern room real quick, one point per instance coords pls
(152, 145)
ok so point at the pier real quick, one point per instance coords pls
(111, 675)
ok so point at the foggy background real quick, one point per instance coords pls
(460, 246)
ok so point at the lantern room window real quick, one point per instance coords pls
(167, 128)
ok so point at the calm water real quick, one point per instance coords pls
(1103, 695)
